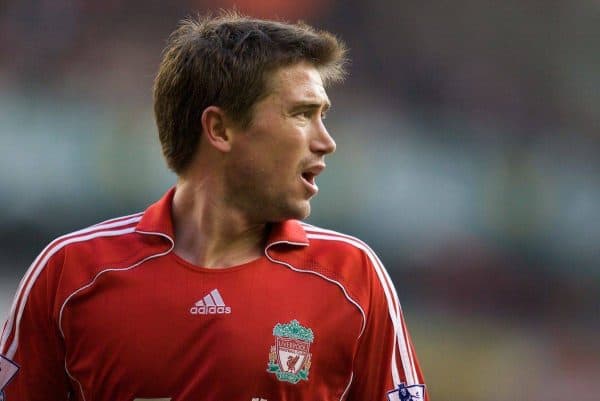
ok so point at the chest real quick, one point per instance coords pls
(166, 331)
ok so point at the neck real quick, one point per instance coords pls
(210, 233)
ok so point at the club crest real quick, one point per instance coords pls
(290, 357)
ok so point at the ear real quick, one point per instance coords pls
(214, 128)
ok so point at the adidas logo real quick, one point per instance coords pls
(211, 304)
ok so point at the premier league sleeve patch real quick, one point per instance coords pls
(7, 370)
(407, 393)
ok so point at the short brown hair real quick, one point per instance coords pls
(224, 61)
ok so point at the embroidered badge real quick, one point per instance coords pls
(290, 357)
(410, 393)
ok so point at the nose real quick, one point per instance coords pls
(322, 142)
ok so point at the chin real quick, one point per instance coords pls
(304, 211)
(305, 214)
(298, 215)
(296, 212)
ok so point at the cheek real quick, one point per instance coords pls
(269, 160)
(283, 159)
(254, 172)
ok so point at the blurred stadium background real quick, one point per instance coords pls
(468, 142)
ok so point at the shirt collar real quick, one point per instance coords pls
(157, 219)
(287, 232)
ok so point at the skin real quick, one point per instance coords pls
(240, 180)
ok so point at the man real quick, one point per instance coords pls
(218, 291)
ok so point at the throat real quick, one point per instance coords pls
(209, 232)
(218, 249)
(218, 261)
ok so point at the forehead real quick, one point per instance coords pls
(300, 82)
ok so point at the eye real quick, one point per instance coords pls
(305, 114)
(311, 113)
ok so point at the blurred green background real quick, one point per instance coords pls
(468, 157)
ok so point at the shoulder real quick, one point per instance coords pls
(80, 254)
(68, 263)
(103, 240)
(329, 242)
(353, 263)
(347, 258)
(74, 258)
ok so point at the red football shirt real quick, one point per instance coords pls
(111, 313)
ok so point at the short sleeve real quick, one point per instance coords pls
(31, 338)
(385, 358)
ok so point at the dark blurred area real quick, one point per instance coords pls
(468, 142)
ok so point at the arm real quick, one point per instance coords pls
(385, 357)
(31, 338)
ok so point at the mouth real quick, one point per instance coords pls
(308, 180)
(309, 176)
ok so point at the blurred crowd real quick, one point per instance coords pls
(467, 157)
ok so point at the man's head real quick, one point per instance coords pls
(226, 62)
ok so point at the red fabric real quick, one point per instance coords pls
(108, 313)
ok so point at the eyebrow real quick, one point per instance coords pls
(309, 104)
